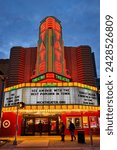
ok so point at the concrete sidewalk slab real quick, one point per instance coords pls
(33, 143)
(50, 143)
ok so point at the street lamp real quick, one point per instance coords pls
(19, 105)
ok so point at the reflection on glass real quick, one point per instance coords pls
(53, 126)
(29, 126)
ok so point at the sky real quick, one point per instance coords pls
(20, 20)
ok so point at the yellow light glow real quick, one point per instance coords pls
(43, 84)
(58, 106)
(46, 107)
(64, 106)
(40, 107)
(75, 84)
(81, 106)
(70, 106)
(28, 84)
(52, 108)
(60, 84)
(70, 84)
(33, 107)
(65, 84)
(79, 84)
(76, 106)
(32, 84)
(23, 85)
(20, 85)
(56, 84)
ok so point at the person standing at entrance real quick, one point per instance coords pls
(40, 127)
(62, 131)
(71, 129)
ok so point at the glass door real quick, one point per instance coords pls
(53, 126)
(29, 126)
(44, 126)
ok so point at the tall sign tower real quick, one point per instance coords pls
(50, 65)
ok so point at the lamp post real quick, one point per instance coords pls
(19, 105)
(16, 128)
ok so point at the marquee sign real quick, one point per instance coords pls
(51, 95)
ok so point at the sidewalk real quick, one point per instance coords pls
(49, 143)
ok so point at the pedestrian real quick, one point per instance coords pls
(62, 131)
(40, 127)
(71, 129)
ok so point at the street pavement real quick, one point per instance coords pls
(49, 143)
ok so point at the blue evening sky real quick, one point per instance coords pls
(20, 20)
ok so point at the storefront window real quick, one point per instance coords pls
(93, 121)
(85, 122)
(75, 120)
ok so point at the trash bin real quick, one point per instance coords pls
(81, 136)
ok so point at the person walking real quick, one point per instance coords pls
(71, 129)
(40, 127)
(62, 131)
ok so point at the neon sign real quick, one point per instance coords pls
(62, 78)
(38, 78)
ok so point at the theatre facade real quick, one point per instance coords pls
(50, 96)
(51, 103)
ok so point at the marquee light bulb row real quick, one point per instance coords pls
(60, 84)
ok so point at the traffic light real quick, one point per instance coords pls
(21, 105)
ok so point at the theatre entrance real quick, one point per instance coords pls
(50, 125)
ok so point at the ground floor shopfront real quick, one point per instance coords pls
(84, 117)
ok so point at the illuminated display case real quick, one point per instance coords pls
(85, 122)
(93, 122)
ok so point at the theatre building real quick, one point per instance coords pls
(50, 95)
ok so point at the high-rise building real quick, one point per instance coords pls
(30, 61)
(80, 64)
(21, 65)
(4, 69)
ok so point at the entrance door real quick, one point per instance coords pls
(44, 121)
(29, 126)
(53, 126)
(50, 125)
